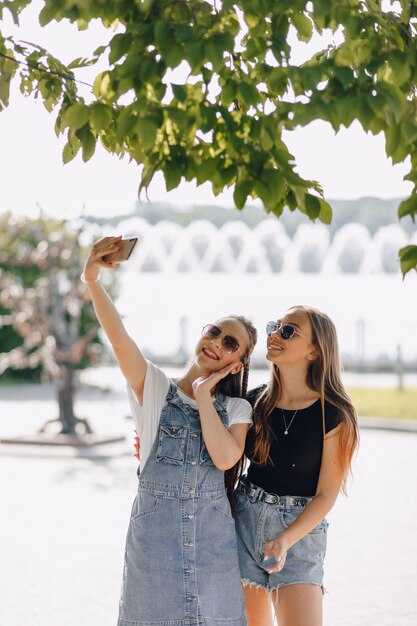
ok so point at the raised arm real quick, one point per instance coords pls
(128, 355)
(225, 446)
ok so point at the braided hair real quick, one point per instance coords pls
(236, 386)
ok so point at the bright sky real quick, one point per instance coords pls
(349, 165)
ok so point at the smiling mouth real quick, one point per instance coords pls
(210, 354)
(275, 346)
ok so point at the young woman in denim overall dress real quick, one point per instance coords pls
(300, 449)
(181, 566)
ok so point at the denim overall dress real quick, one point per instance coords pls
(181, 564)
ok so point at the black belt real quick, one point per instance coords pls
(257, 493)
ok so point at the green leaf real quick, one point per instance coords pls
(99, 51)
(291, 200)
(81, 62)
(264, 193)
(251, 20)
(194, 52)
(89, 146)
(326, 212)
(278, 81)
(214, 54)
(249, 93)
(162, 31)
(275, 182)
(172, 55)
(303, 25)
(228, 93)
(267, 142)
(172, 173)
(100, 116)
(408, 259)
(70, 151)
(75, 116)
(179, 117)
(394, 144)
(408, 207)
(180, 92)
(148, 71)
(147, 132)
(119, 45)
(312, 204)
(4, 90)
(345, 76)
(47, 14)
(125, 122)
(242, 190)
(395, 97)
(102, 87)
(409, 132)
(206, 169)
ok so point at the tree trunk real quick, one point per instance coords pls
(69, 421)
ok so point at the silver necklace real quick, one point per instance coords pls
(287, 428)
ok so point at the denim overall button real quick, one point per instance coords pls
(195, 435)
(190, 516)
(193, 462)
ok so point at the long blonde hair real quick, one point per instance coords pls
(323, 376)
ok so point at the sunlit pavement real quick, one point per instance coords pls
(64, 517)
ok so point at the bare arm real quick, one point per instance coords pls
(328, 487)
(224, 445)
(128, 355)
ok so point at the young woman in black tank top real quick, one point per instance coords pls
(300, 448)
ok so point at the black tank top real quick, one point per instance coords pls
(296, 457)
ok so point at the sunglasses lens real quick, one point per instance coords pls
(271, 328)
(210, 330)
(287, 331)
(230, 344)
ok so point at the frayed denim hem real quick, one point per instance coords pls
(249, 583)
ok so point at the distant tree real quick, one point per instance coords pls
(47, 324)
(223, 122)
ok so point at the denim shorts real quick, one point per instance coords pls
(257, 523)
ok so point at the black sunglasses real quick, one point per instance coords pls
(230, 343)
(286, 330)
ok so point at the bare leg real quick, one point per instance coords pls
(299, 605)
(258, 606)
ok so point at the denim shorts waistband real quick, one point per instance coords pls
(257, 493)
(182, 491)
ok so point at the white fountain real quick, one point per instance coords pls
(203, 272)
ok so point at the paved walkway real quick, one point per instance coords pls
(64, 517)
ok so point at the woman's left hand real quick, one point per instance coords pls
(204, 384)
(276, 549)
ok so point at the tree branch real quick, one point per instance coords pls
(35, 66)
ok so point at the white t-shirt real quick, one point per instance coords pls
(146, 416)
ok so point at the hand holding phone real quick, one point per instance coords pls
(123, 252)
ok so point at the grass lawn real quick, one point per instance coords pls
(385, 402)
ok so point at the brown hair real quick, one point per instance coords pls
(323, 376)
(236, 386)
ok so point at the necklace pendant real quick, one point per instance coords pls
(285, 432)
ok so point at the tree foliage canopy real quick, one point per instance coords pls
(46, 316)
(221, 118)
